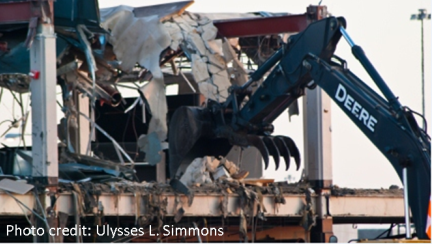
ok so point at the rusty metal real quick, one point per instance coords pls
(261, 26)
(4, 47)
(105, 93)
(113, 93)
(15, 12)
(315, 12)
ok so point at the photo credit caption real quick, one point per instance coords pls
(109, 231)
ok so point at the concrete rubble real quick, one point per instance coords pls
(209, 169)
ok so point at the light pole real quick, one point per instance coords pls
(422, 15)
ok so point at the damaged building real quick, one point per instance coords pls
(107, 161)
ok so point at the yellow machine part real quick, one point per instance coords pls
(394, 241)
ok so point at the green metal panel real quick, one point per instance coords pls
(70, 13)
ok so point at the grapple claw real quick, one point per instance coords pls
(273, 150)
(190, 136)
(293, 150)
(259, 144)
(284, 151)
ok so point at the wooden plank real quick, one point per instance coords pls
(258, 182)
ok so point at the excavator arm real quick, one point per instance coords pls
(305, 62)
(392, 132)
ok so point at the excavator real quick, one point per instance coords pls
(305, 61)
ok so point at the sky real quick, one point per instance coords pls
(391, 41)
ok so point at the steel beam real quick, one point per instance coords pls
(374, 206)
(261, 26)
(15, 12)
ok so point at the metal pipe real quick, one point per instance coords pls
(422, 73)
(406, 206)
(105, 93)
(198, 235)
(109, 137)
(347, 37)
(78, 238)
(264, 68)
(114, 93)
(360, 55)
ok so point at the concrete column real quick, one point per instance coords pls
(317, 138)
(43, 102)
(44, 123)
(318, 158)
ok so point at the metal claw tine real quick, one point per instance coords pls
(273, 150)
(293, 150)
(259, 144)
(284, 151)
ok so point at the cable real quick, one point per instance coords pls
(423, 118)
(25, 215)
(24, 119)
(356, 240)
(118, 147)
(386, 231)
(15, 98)
(25, 206)
(42, 210)
(125, 129)
(135, 133)
(7, 120)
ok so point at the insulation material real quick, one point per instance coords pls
(136, 39)
(211, 163)
(196, 173)
(141, 40)
(154, 92)
(151, 145)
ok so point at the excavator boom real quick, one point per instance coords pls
(307, 61)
